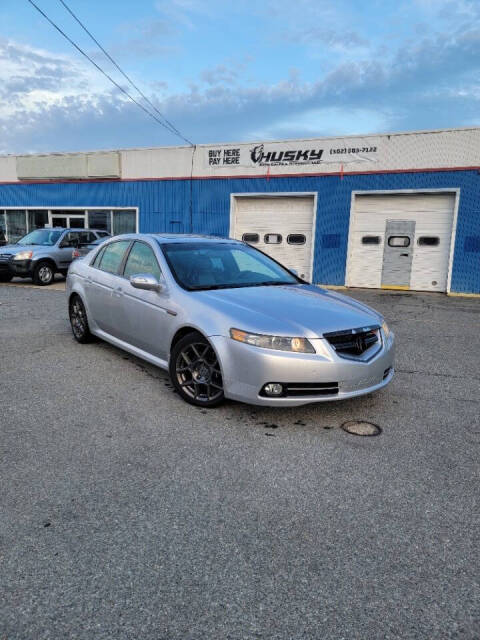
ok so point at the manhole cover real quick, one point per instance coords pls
(361, 428)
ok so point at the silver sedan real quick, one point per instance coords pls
(227, 321)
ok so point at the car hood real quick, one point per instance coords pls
(303, 310)
(16, 248)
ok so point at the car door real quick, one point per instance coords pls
(102, 286)
(147, 319)
(63, 250)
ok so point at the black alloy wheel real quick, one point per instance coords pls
(195, 371)
(79, 321)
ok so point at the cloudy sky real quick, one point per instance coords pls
(236, 70)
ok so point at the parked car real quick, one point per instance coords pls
(43, 252)
(82, 250)
(227, 321)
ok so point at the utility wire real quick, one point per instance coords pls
(171, 125)
(74, 44)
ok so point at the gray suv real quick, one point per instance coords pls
(43, 252)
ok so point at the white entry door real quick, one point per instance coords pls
(281, 226)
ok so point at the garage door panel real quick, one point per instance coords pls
(433, 217)
(283, 214)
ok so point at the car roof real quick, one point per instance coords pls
(77, 229)
(166, 238)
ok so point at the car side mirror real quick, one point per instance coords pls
(145, 281)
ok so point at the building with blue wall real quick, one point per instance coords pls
(397, 211)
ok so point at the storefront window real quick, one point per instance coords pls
(100, 220)
(124, 222)
(16, 225)
(3, 229)
(37, 219)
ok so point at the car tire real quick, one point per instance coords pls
(5, 277)
(43, 274)
(78, 320)
(195, 371)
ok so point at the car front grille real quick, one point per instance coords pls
(353, 343)
(5, 257)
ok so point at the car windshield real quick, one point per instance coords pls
(43, 237)
(202, 265)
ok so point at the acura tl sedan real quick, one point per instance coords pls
(227, 321)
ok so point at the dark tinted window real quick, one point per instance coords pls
(429, 241)
(272, 238)
(399, 241)
(296, 238)
(250, 237)
(371, 240)
(141, 259)
(113, 255)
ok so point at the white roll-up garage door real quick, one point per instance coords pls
(281, 226)
(400, 241)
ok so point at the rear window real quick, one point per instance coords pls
(113, 255)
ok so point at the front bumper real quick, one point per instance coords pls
(246, 369)
(21, 267)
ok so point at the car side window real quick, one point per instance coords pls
(70, 239)
(141, 259)
(113, 255)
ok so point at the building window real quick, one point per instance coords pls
(296, 238)
(37, 219)
(272, 238)
(100, 220)
(251, 238)
(398, 241)
(16, 225)
(124, 222)
(429, 241)
(371, 240)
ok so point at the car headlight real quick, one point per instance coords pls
(23, 255)
(298, 345)
(386, 330)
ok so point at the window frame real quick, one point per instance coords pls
(399, 246)
(273, 233)
(428, 244)
(378, 240)
(297, 244)
(257, 235)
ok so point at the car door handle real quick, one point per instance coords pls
(405, 255)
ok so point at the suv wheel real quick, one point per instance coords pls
(195, 371)
(78, 320)
(43, 274)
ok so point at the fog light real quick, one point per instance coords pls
(273, 389)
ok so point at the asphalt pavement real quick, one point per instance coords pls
(128, 514)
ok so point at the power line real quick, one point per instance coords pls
(74, 44)
(170, 124)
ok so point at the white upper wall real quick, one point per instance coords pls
(443, 149)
